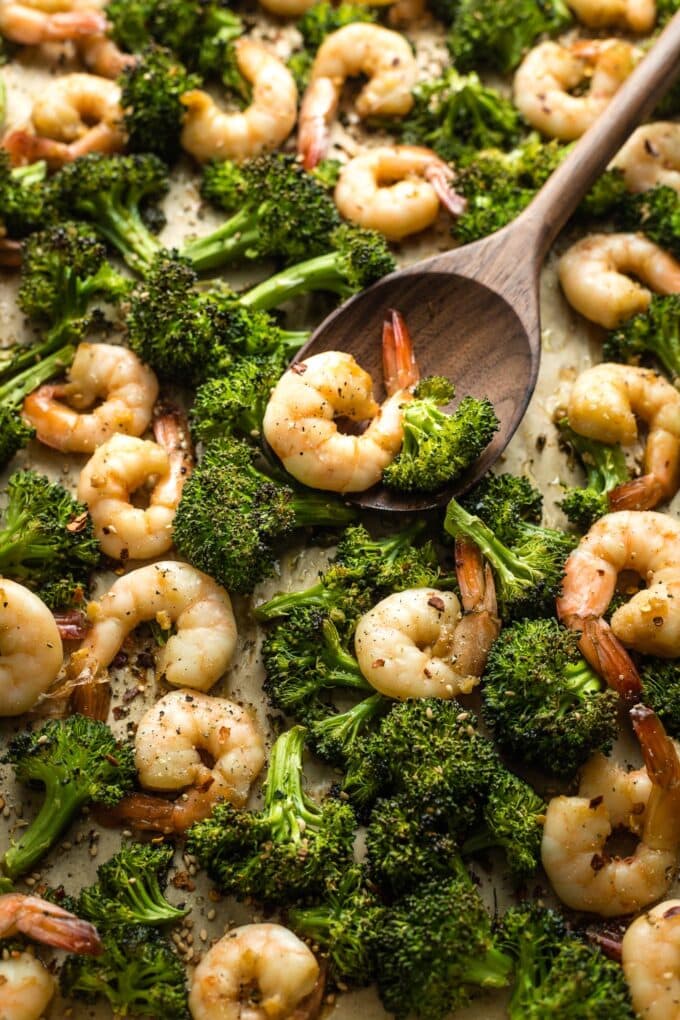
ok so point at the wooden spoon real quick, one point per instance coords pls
(474, 312)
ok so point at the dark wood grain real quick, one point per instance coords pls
(474, 311)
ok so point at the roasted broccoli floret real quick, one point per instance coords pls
(438, 447)
(235, 402)
(661, 690)
(456, 115)
(77, 761)
(232, 513)
(129, 889)
(512, 820)
(657, 213)
(337, 737)
(557, 973)
(47, 540)
(283, 212)
(19, 376)
(496, 33)
(436, 950)
(652, 336)
(605, 468)
(545, 704)
(25, 199)
(138, 973)
(292, 850)
(151, 91)
(111, 192)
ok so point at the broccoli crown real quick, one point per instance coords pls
(496, 33)
(234, 403)
(456, 115)
(657, 213)
(556, 973)
(151, 91)
(76, 760)
(323, 18)
(661, 690)
(292, 850)
(513, 817)
(47, 541)
(138, 973)
(502, 501)
(25, 369)
(15, 434)
(439, 447)
(545, 704)
(347, 926)
(605, 468)
(129, 889)
(111, 192)
(436, 949)
(338, 736)
(25, 199)
(652, 336)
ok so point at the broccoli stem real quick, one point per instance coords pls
(345, 727)
(33, 173)
(321, 273)
(315, 923)
(282, 605)
(287, 805)
(349, 674)
(228, 243)
(124, 229)
(15, 389)
(502, 559)
(149, 902)
(313, 510)
(492, 970)
(61, 803)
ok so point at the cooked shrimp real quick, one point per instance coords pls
(211, 133)
(170, 741)
(32, 22)
(299, 422)
(647, 543)
(47, 923)
(593, 274)
(636, 15)
(171, 593)
(118, 468)
(547, 75)
(99, 371)
(418, 643)
(396, 190)
(30, 649)
(651, 157)
(574, 854)
(26, 988)
(75, 115)
(387, 60)
(257, 972)
(604, 404)
(650, 954)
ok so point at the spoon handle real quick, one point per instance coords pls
(561, 194)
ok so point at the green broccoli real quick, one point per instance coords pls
(661, 690)
(129, 889)
(657, 213)
(512, 820)
(19, 376)
(337, 737)
(652, 336)
(438, 447)
(25, 198)
(605, 468)
(290, 851)
(232, 513)
(543, 701)
(77, 761)
(235, 402)
(497, 33)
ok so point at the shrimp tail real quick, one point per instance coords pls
(475, 579)
(639, 494)
(10, 253)
(143, 812)
(47, 923)
(92, 699)
(400, 370)
(316, 112)
(609, 658)
(658, 750)
(440, 177)
(24, 147)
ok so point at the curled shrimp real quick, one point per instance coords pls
(418, 643)
(299, 422)
(99, 371)
(170, 742)
(581, 871)
(32, 22)
(45, 922)
(119, 467)
(396, 190)
(26, 987)
(604, 404)
(258, 972)
(642, 541)
(594, 276)
(651, 157)
(650, 954)
(387, 60)
(30, 649)
(209, 132)
(77, 114)
(548, 74)
(635, 15)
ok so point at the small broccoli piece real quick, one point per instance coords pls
(129, 889)
(605, 468)
(556, 973)
(502, 500)
(661, 690)
(607, 197)
(496, 33)
(138, 974)
(657, 213)
(110, 192)
(15, 384)
(77, 761)
(234, 403)
(457, 115)
(151, 92)
(232, 514)
(436, 950)
(652, 336)
(190, 335)
(25, 198)
(513, 818)
(292, 850)
(337, 737)
(358, 258)
(438, 447)
(545, 704)
(346, 926)
(47, 540)
(283, 213)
